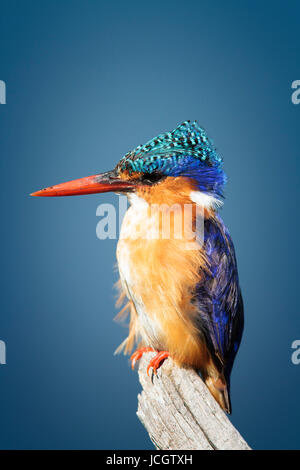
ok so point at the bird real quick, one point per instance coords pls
(184, 300)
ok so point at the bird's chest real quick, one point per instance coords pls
(158, 275)
(139, 270)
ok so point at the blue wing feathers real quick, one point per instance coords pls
(219, 297)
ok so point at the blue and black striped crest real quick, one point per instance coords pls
(172, 150)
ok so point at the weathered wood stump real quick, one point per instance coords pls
(179, 412)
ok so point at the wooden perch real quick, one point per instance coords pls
(179, 412)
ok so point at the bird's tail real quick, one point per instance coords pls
(219, 389)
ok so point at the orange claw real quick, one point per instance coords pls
(157, 361)
(138, 354)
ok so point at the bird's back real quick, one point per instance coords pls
(220, 306)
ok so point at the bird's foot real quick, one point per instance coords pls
(138, 354)
(154, 363)
(157, 361)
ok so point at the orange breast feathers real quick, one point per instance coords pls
(160, 264)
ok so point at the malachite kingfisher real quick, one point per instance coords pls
(185, 303)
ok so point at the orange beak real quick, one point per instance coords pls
(102, 183)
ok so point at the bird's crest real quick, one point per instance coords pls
(172, 149)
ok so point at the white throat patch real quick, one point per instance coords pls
(205, 200)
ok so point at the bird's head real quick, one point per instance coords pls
(172, 163)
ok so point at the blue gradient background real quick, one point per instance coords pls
(86, 82)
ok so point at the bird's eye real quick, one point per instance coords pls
(151, 178)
